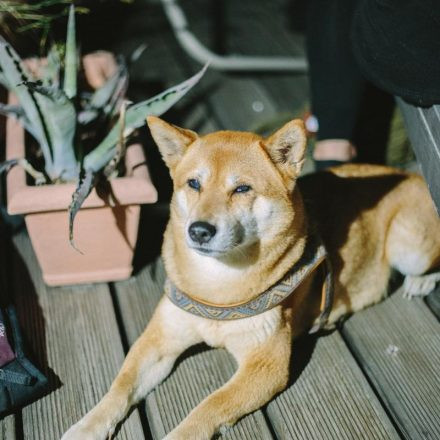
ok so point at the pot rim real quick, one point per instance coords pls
(135, 188)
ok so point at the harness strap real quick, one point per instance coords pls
(326, 298)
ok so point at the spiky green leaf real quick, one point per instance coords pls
(53, 93)
(51, 71)
(114, 88)
(107, 97)
(7, 165)
(135, 118)
(83, 189)
(111, 168)
(12, 110)
(71, 58)
(3, 80)
(39, 177)
(18, 113)
(15, 73)
(60, 117)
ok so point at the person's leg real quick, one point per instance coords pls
(336, 84)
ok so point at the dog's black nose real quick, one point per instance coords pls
(201, 232)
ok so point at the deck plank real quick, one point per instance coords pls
(73, 332)
(194, 378)
(7, 428)
(397, 343)
(331, 399)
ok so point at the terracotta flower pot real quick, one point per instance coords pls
(105, 227)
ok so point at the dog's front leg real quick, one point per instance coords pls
(148, 362)
(262, 372)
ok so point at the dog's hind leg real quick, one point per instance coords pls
(413, 243)
(262, 372)
(420, 285)
(148, 362)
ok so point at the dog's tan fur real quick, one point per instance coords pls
(371, 219)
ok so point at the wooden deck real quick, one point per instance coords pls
(377, 377)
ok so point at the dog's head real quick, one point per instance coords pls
(231, 189)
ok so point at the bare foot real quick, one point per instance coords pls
(334, 149)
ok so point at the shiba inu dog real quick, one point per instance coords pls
(240, 221)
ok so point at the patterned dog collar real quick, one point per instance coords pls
(313, 255)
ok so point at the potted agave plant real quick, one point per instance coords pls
(82, 139)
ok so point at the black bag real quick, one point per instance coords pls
(21, 382)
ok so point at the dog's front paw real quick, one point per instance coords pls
(80, 431)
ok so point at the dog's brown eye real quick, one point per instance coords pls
(194, 184)
(242, 189)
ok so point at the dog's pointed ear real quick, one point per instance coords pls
(286, 147)
(171, 140)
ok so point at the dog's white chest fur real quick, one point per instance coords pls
(233, 335)
(211, 271)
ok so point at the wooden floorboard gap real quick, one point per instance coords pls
(372, 385)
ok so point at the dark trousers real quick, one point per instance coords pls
(336, 84)
(346, 104)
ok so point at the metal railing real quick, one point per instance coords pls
(199, 52)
